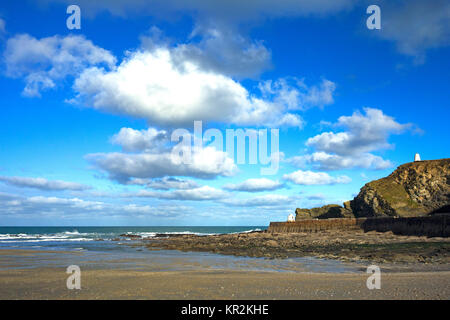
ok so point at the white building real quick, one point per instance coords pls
(416, 157)
(291, 218)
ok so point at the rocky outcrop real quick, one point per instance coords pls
(413, 189)
(325, 212)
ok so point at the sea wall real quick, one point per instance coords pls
(430, 226)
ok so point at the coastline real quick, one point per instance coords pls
(249, 265)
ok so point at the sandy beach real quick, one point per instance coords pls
(107, 282)
(47, 283)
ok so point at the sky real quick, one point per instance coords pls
(100, 126)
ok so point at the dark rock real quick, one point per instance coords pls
(413, 189)
(325, 212)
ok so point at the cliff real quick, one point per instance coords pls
(413, 189)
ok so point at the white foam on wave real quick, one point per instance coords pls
(61, 236)
(248, 231)
(46, 240)
(75, 232)
(153, 234)
(15, 236)
(187, 232)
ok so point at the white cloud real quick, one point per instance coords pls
(364, 133)
(206, 163)
(72, 207)
(328, 161)
(42, 62)
(314, 178)
(167, 86)
(197, 194)
(73, 202)
(42, 183)
(140, 140)
(296, 95)
(165, 183)
(255, 185)
(150, 85)
(225, 51)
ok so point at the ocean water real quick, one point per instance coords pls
(103, 248)
(73, 238)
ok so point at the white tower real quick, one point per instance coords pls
(291, 218)
(416, 157)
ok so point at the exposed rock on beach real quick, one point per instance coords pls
(334, 244)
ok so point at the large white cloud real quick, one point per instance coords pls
(206, 163)
(167, 86)
(43, 184)
(152, 86)
(255, 185)
(151, 156)
(364, 133)
(314, 178)
(42, 62)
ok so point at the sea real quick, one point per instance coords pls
(103, 247)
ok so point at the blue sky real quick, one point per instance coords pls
(87, 115)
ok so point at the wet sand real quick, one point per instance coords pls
(47, 283)
(97, 282)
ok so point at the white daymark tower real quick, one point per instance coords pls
(416, 157)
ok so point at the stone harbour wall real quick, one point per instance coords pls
(430, 226)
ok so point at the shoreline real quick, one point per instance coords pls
(112, 280)
(224, 267)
